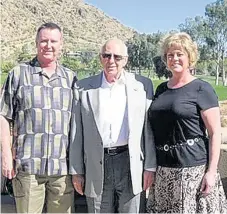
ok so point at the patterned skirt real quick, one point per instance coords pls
(177, 190)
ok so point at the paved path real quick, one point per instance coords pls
(224, 135)
(8, 205)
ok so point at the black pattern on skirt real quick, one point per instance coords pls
(177, 190)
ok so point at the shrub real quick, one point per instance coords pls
(223, 121)
(7, 66)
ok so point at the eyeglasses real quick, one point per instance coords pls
(109, 55)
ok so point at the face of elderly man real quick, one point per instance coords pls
(113, 58)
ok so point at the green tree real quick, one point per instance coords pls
(216, 38)
(87, 57)
(94, 65)
(160, 68)
(73, 63)
(6, 66)
(141, 49)
(25, 54)
(196, 28)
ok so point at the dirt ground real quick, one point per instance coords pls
(223, 107)
(223, 156)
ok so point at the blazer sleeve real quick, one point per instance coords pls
(148, 138)
(76, 150)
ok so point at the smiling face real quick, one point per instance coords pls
(48, 44)
(113, 58)
(177, 60)
(179, 52)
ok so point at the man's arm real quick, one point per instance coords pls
(148, 138)
(7, 156)
(149, 145)
(149, 155)
(76, 151)
(7, 109)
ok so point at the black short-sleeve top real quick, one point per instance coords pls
(175, 117)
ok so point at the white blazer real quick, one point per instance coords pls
(86, 148)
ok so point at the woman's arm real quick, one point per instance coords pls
(211, 118)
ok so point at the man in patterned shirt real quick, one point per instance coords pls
(36, 99)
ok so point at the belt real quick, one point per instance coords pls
(189, 142)
(115, 150)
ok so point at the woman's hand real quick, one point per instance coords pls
(208, 182)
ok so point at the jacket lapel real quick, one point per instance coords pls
(133, 90)
(94, 99)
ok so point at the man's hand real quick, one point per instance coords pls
(6, 142)
(148, 179)
(7, 165)
(78, 183)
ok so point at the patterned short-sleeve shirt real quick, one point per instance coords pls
(40, 109)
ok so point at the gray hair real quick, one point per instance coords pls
(116, 41)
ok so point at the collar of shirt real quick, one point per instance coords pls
(119, 81)
(37, 68)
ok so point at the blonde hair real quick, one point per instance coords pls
(183, 41)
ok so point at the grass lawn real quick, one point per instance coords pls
(220, 90)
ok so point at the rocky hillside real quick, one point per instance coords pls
(85, 27)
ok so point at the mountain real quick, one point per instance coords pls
(85, 27)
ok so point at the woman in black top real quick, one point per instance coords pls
(184, 109)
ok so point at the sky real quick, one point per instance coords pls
(150, 16)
